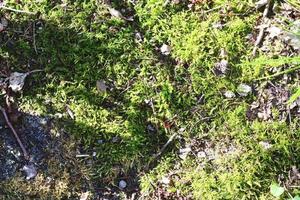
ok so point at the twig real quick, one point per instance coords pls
(267, 9)
(82, 156)
(165, 145)
(26, 155)
(209, 10)
(15, 10)
(262, 30)
(35, 70)
(258, 40)
(212, 9)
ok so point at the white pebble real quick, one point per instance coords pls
(165, 49)
(229, 94)
(122, 184)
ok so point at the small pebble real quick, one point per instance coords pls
(165, 180)
(183, 153)
(115, 139)
(243, 90)
(265, 145)
(221, 68)
(261, 3)
(201, 154)
(229, 94)
(30, 171)
(100, 141)
(122, 184)
(151, 128)
(84, 196)
(4, 22)
(165, 49)
(138, 37)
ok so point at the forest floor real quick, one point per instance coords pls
(150, 99)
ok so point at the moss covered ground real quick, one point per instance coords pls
(108, 86)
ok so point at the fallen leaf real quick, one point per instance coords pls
(17, 81)
(274, 31)
(276, 190)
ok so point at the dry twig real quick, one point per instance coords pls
(25, 153)
(15, 10)
(165, 145)
(261, 30)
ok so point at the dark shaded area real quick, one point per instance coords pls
(36, 139)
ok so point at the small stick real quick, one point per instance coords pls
(262, 30)
(26, 155)
(15, 10)
(267, 9)
(165, 145)
(258, 40)
(82, 156)
(35, 70)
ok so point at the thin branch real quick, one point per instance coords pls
(258, 40)
(15, 10)
(165, 145)
(26, 155)
(262, 29)
(267, 9)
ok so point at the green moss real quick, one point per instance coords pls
(79, 43)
